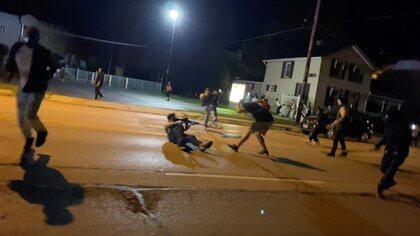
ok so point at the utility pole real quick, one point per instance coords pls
(308, 62)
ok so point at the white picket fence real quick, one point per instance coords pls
(113, 81)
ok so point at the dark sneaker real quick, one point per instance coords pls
(234, 147)
(331, 154)
(393, 183)
(41, 138)
(205, 146)
(380, 189)
(28, 145)
(264, 152)
(343, 153)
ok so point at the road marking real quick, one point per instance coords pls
(318, 182)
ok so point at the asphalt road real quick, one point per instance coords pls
(110, 172)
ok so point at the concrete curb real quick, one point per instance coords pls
(5, 92)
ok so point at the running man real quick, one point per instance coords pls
(263, 122)
(397, 139)
(33, 66)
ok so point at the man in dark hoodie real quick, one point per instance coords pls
(33, 66)
(397, 139)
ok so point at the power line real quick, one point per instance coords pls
(385, 17)
(268, 35)
(100, 40)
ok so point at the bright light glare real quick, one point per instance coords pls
(173, 14)
(237, 92)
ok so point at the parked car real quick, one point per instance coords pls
(360, 125)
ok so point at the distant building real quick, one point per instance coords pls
(11, 28)
(344, 72)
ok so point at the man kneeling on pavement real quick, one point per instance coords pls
(175, 128)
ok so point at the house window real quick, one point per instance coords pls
(353, 99)
(334, 68)
(355, 73)
(287, 69)
(331, 96)
(342, 71)
(2, 29)
(299, 87)
(360, 77)
(271, 88)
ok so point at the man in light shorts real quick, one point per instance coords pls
(263, 122)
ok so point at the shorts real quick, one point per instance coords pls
(260, 127)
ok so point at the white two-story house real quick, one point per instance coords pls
(345, 72)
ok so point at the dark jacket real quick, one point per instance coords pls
(396, 137)
(42, 68)
(321, 120)
(99, 80)
(210, 99)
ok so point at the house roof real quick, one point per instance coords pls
(319, 52)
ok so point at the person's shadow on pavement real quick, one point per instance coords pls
(48, 187)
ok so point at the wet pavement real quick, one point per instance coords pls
(112, 172)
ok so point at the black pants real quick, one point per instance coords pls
(168, 94)
(278, 110)
(314, 134)
(389, 166)
(98, 92)
(338, 137)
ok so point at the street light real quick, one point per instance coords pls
(173, 14)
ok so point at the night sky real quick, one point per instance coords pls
(385, 30)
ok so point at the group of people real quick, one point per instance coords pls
(397, 138)
(176, 127)
(33, 66)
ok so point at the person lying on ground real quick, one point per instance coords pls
(175, 129)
